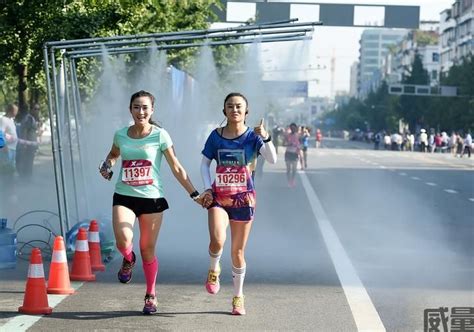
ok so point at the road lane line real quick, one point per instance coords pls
(471, 199)
(403, 174)
(24, 322)
(415, 178)
(451, 191)
(431, 184)
(363, 310)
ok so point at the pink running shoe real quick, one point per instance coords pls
(238, 306)
(213, 283)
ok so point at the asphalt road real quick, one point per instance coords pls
(367, 239)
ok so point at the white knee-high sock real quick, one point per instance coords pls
(238, 276)
(215, 258)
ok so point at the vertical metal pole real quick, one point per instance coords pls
(69, 127)
(77, 107)
(60, 148)
(53, 139)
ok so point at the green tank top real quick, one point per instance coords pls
(141, 160)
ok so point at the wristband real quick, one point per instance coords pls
(194, 195)
(268, 139)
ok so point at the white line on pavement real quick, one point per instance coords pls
(365, 315)
(403, 174)
(431, 184)
(415, 178)
(24, 322)
(451, 191)
(471, 199)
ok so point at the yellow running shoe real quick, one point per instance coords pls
(238, 305)
(213, 283)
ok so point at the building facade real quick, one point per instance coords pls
(398, 62)
(353, 80)
(456, 33)
(374, 46)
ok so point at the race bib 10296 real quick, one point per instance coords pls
(231, 179)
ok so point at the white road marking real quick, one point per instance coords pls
(24, 322)
(403, 174)
(363, 310)
(471, 199)
(415, 178)
(431, 184)
(451, 191)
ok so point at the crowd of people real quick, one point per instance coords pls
(458, 144)
(21, 141)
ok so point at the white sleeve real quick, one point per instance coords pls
(268, 152)
(206, 172)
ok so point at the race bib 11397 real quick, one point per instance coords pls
(137, 172)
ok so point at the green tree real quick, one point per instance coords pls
(414, 109)
(25, 25)
(454, 113)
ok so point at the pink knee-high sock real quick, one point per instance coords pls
(127, 252)
(151, 271)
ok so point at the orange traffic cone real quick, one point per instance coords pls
(35, 301)
(81, 263)
(94, 247)
(58, 282)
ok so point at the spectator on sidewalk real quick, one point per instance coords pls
(7, 126)
(431, 142)
(28, 143)
(377, 139)
(467, 145)
(387, 141)
(410, 142)
(453, 143)
(438, 143)
(423, 140)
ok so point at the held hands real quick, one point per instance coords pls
(260, 130)
(205, 198)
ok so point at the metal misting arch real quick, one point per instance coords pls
(63, 90)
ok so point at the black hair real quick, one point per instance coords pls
(143, 93)
(236, 94)
(293, 125)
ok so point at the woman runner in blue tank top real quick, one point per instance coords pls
(230, 197)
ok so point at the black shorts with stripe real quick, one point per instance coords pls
(141, 205)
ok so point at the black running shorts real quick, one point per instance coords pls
(291, 156)
(141, 205)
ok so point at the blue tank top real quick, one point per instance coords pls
(235, 152)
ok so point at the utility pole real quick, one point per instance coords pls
(333, 71)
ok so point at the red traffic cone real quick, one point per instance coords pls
(81, 263)
(94, 247)
(58, 281)
(35, 301)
